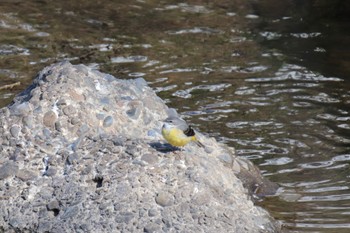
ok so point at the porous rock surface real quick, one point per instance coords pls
(81, 151)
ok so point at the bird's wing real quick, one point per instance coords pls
(181, 124)
(189, 131)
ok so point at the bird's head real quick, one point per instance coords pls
(174, 122)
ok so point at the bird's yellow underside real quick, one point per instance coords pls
(176, 137)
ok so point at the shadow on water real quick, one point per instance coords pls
(267, 77)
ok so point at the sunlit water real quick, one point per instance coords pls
(207, 60)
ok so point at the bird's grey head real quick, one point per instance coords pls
(177, 122)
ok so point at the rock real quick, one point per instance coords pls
(14, 130)
(150, 158)
(94, 160)
(69, 110)
(51, 171)
(108, 121)
(164, 199)
(26, 175)
(21, 109)
(152, 212)
(151, 228)
(49, 119)
(8, 169)
(53, 205)
(70, 212)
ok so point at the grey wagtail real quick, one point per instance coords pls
(178, 133)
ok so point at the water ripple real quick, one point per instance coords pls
(187, 92)
(196, 30)
(129, 59)
(296, 73)
(277, 161)
(316, 165)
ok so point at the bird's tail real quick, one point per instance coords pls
(199, 144)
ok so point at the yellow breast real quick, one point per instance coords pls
(176, 137)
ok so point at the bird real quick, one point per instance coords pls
(178, 133)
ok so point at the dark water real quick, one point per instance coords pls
(269, 78)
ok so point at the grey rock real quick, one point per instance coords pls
(8, 169)
(108, 121)
(100, 116)
(150, 158)
(69, 110)
(58, 126)
(70, 212)
(93, 161)
(134, 109)
(21, 109)
(151, 228)
(49, 119)
(152, 212)
(28, 121)
(164, 199)
(53, 205)
(26, 175)
(14, 130)
(83, 129)
(75, 120)
(51, 171)
(226, 158)
(45, 226)
(46, 132)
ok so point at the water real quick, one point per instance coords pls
(269, 78)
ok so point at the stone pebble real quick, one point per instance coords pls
(14, 130)
(26, 175)
(108, 121)
(150, 158)
(164, 199)
(69, 110)
(49, 119)
(8, 169)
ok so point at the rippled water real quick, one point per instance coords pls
(232, 68)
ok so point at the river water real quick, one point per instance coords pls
(269, 78)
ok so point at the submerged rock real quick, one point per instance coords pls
(82, 151)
